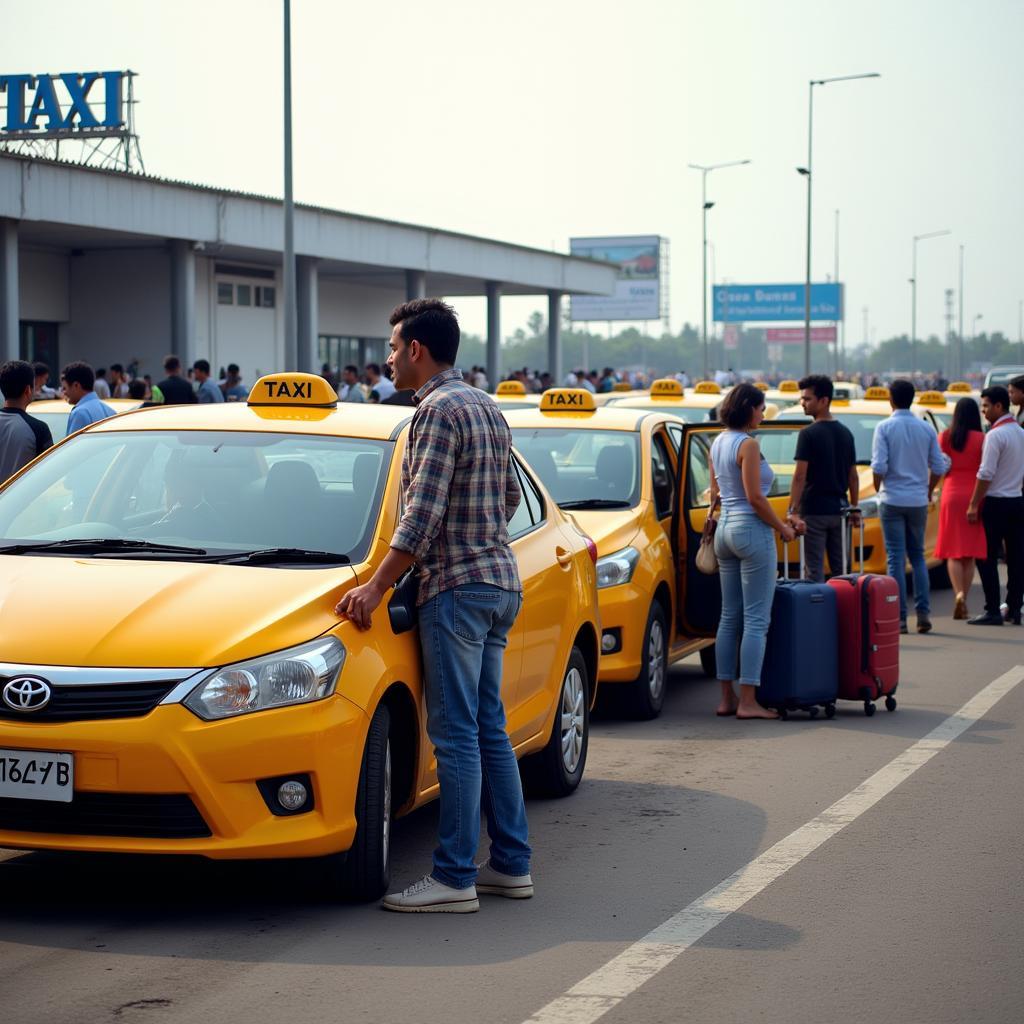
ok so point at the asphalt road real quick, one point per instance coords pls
(914, 911)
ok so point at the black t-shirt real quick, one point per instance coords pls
(177, 391)
(829, 451)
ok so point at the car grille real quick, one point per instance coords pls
(82, 703)
(139, 815)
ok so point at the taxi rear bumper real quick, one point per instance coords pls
(138, 776)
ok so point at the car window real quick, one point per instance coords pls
(698, 473)
(675, 433)
(662, 481)
(56, 421)
(582, 465)
(531, 495)
(222, 491)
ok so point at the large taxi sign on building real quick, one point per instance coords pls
(293, 389)
(567, 400)
(74, 103)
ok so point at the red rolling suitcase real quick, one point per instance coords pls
(869, 634)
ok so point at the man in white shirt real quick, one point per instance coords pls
(100, 385)
(349, 389)
(380, 386)
(998, 502)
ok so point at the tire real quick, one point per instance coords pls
(552, 772)
(647, 692)
(363, 873)
(709, 661)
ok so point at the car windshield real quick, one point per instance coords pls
(56, 421)
(596, 467)
(861, 425)
(216, 491)
(688, 414)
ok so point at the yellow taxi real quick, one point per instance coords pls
(785, 396)
(202, 697)
(614, 469)
(512, 394)
(861, 416)
(936, 408)
(54, 412)
(668, 395)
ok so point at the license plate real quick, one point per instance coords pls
(37, 775)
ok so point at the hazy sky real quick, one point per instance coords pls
(540, 119)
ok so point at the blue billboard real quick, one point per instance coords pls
(751, 303)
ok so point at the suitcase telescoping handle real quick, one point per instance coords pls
(785, 557)
(847, 560)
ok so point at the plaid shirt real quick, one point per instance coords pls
(459, 488)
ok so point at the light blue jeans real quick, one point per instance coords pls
(903, 528)
(463, 635)
(745, 548)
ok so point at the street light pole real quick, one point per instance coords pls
(806, 172)
(913, 295)
(705, 170)
(291, 317)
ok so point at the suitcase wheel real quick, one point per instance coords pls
(830, 710)
(869, 708)
(813, 712)
(890, 703)
(784, 713)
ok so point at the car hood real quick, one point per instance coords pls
(119, 612)
(612, 529)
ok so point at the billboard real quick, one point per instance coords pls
(795, 335)
(737, 303)
(73, 104)
(637, 293)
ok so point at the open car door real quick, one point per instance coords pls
(699, 597)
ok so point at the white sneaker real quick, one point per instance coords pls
(494, 883)
(429, 896)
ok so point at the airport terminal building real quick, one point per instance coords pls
(109, 266)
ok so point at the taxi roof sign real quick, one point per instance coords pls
(567, 400)
(959, 387)
(707, 387)
(511, 387)
(931, 398)
(760, 385)
(666, 387)
(789, 385)
(303, 390)
(877, 394)
(622, 385)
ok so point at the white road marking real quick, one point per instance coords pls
(605, 988)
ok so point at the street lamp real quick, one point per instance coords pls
(974, 326)
(806, 172)
(913, 296)
(705, 170)
(291, 329)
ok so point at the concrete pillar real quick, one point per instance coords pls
(308, 297)
(10, 336)
(183, 301)
(415, 284)
(555, 337)
(493, 333)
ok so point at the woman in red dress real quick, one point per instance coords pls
(959, 541)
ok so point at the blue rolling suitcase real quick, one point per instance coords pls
(801, 659)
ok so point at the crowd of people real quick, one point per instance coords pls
(981, 516)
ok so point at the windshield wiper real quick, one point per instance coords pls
(85, 545)
(271, 555)
(594, 503)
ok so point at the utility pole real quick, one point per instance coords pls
(291, 314)
(950, 368)
(960, 326)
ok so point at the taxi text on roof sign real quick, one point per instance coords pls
(959, 386)
(567, 400)
(622, 385)
(293, 389)
(707, 387)
(666, 387)
(876, 394)
(931, 398)
(511, 387)
(789, 385)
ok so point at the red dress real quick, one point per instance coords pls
(957, 537)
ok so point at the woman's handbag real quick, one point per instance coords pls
(402, 604)
(707, 561)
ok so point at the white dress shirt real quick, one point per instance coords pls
(1002, 459)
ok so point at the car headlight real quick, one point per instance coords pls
(615, 569)
(869, 508)
(298, 675)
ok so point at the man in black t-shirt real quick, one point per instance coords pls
(826, 470)
(22, 437)
(176, 389)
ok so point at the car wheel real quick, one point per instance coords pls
(648, 689)
(558, 768)
(709, 661)
(363, 873)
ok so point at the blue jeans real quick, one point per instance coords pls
(463, 635)
(745, 548)
(903, 528)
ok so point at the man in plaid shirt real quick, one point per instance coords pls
(460, 491)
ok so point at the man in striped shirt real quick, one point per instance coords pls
(459, 491)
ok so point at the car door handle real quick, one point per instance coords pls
(563, 557)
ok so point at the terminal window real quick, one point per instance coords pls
(225, 294)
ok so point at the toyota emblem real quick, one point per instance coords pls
(26, 694)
